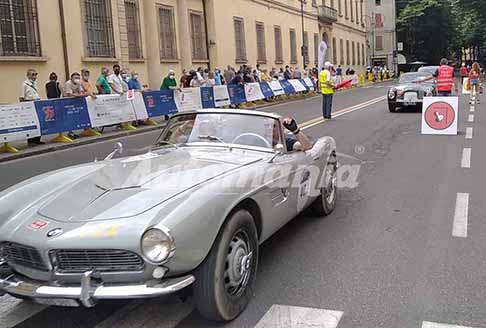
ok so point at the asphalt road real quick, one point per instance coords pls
(386, 257)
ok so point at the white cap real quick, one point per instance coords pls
(327, 64)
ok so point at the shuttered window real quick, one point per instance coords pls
(168, 48)
(306, 46)
(277, 31)
(341, 51)
(358, 54)
(99, 28)
(198, 37)
(378, 20)
(334, 50)
(364, 55)
(260, 39)
(379, 42)
(19, 29)
(316, 48)
(293, 47)
(240, 42)
(353, 53)
(134, 35)
(348, 57)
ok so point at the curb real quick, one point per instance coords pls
(120, 134)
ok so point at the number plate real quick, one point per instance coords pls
(410, 98)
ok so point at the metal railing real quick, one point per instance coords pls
(327, 15)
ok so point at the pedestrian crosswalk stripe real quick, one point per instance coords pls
(299, 317)
(428, 324)
(470, 119)
(469, 133)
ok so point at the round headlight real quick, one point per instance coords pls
(157, 245)
(391, 94)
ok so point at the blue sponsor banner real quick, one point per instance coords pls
(304, 84)
(266, 90)
(60, 115)
(160, 102)
(236, 93)
(288, 88)
(207, 97)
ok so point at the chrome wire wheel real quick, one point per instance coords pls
(331, 183)
(238, 265)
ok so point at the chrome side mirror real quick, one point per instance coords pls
(118, 149)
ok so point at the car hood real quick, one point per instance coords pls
(128, 187)
(414, 87)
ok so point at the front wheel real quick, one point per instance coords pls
(224, 281)
(392, 107)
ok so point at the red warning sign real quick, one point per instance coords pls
(440, 115)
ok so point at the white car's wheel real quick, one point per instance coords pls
(224, 281)
(326, 202)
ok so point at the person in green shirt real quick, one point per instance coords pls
(169, 82)
(102, 83)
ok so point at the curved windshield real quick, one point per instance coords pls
(413, 77)
(222, 129)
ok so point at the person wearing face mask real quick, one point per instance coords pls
(169, 82)
(134, 83)
(53, 89)
(73, 88)
(125, 80)
(102, 82)
(85, 85)
(116, 80)
(29, 93)
(218, 78)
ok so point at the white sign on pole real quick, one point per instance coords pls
(322, 55)
(298, 86)
(110, 109)
(309, 83)
(253, 91)
(466, 87)
(440, 115)
(18, 122)
(221, 96)
(400, 46)
(276, 88)
(188, 99)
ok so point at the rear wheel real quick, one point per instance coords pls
(326, 202)
(392, 107)
(224, 281)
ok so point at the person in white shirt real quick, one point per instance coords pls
(116, 81)
(30, 92)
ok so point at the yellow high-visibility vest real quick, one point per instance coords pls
(324, 77)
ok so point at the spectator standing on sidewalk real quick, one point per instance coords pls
(134, 82)
(29, 93)
(169, 83)
(116, 81)
(297, 73)
(218, 77)
(86, 85)
(53, 90)
(327, 90)
(229, 74)
(287, 74)
(184, 80)
(125, 79)
(102, 82)
(339, 74)
(210, 81)
(73, 88)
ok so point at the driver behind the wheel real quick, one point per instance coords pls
(299, 141)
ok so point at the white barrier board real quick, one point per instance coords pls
(18, 122)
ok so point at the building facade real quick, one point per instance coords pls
(153, 36)
(381, 33)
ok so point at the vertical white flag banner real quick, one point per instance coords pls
(221, 96)
(188, 99)
(18, 122)
(253, 91)
(322, 55)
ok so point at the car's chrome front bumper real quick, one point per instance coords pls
(87, 293)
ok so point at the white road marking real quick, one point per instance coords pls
(148, 313)
(427, 324)
(466, 158)
(14, 311)
(459, 228)
(299, 317)
(347, 111)
(470, 119)
(469, 133)
(471, 109)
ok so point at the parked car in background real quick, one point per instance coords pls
(410, 91)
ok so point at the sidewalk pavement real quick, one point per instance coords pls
(115, 133)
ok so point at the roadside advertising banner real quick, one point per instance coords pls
(207, 97)
(221, 96)
(440, 115)
(110, 109)
(276, 88)
(188, 99)
(236, 93)
(18, 122)
(253, 91)
(297, 85)
(160, 102)
(60, 115)
(266, 90)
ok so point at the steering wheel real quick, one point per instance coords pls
(252, 135)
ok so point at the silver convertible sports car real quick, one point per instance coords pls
(410, 90)
(189, 211)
